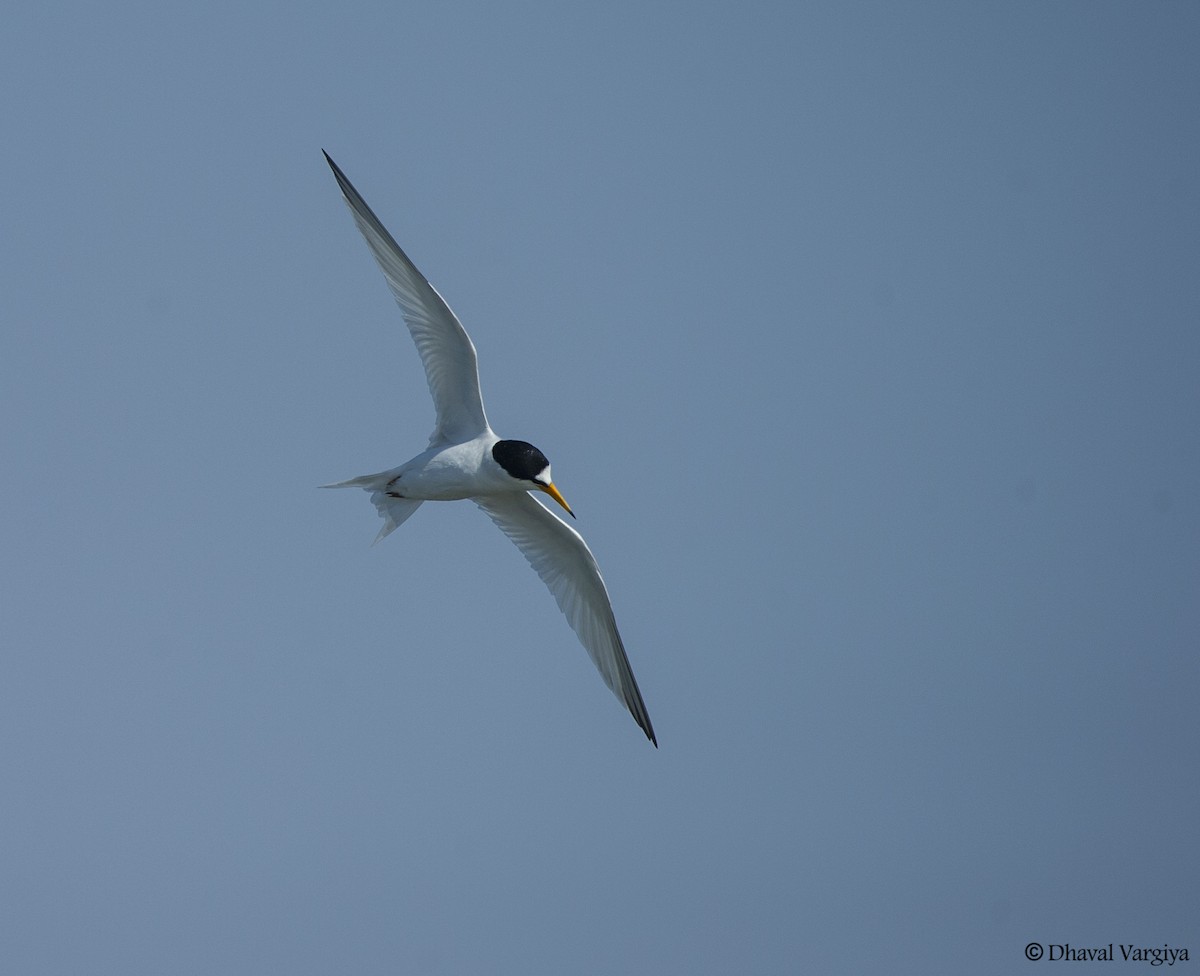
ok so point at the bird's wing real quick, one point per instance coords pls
(562, 559)
(445, 348)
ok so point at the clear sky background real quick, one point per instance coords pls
(864, 339)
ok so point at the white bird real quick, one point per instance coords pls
(466, 459)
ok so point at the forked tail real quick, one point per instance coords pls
(392, 508)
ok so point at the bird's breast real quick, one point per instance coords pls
(447, 474)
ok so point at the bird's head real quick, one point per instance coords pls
(525, 463)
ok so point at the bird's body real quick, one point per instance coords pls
(449, 473)
(467, 459)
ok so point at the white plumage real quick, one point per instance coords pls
(466, 459)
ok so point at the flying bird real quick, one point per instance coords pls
(467, 459)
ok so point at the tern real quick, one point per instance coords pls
(467, 459)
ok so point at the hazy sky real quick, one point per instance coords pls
(864, 339)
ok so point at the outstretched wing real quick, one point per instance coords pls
(446, 350)
(562, 559)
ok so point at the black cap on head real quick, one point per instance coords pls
(520, 459)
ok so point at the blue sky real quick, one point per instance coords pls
(863, 339)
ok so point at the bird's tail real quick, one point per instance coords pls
(393, 509)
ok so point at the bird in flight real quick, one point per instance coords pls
(467, 459)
